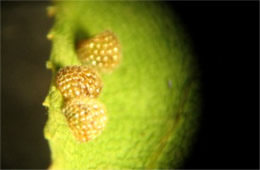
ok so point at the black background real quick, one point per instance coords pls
(24, 84)
(225, 37)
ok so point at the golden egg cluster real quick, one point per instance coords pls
(102, 51)
(81, 85)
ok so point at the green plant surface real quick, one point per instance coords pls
(152, 98)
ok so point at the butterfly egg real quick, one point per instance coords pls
(102, 51)
(74, 81)
(86, 117)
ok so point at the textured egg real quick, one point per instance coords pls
(102, 52)
(86, 117)
(74, 81)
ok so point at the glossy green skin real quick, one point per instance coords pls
(152, 98)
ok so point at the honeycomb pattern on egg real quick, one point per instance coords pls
(74, 81)
(102, 51)
(86, 117)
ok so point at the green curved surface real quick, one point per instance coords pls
(152, 98)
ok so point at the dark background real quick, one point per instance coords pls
(225, 37)
(25, 83)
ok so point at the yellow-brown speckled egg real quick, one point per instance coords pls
(86, 117)
(75, 81)
(102, 51)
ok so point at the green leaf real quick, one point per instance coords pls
(152, 98)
